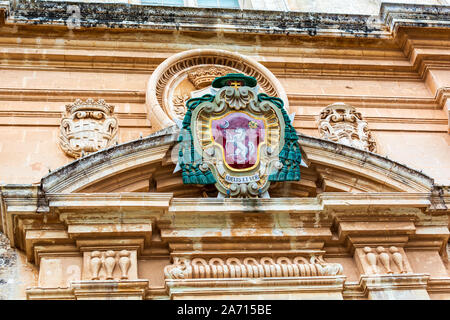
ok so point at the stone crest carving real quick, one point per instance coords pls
(250, 267)
(87, 127)
(238, 140)
(341, 123)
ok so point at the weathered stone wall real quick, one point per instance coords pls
(15, 273)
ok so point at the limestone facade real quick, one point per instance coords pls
(107, 217)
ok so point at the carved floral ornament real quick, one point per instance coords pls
(87, 127)
(189, 74)
(341, 123)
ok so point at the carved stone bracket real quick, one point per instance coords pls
(87, 127)
(341, 123)
(249, 267)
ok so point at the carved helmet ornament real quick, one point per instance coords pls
(238, 139)
(87, 127)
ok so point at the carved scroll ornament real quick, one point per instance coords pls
(343, 124)
(250, 267)
(87, 127)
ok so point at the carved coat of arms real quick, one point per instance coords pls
(87, 127)
(238, 140)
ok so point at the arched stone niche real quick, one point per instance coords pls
(190, 73)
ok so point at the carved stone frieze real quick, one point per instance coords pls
(381, 260)
(341, 123)
(87, 127)
(249, 267)
(102, 265)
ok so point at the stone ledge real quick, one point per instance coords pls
(108, 15)
(107, 289)
(110, 289)
(394, 281)
(327, 287)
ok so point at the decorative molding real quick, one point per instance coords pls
(397, 15)
(341, 123)
(249, 267)
(110, 265)
(93, 290)
(121, 15)
(323, 287)
(381, 260)
(395, 286)
(87, 127)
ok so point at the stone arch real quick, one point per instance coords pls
(168, 75)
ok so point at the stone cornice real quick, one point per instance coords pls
(123, 200)
(394, 282)
(194, 19)
(232, 20)
(279, 286)
(397, 15)
(327, 200)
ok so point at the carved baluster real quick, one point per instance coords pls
(124, 263)
(96, 263)
(109, 264)
(384, 258)
(398, 259)
(371, 259)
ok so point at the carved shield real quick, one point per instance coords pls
(240, 135)
(238, 139)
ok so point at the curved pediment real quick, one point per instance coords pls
(147, 165)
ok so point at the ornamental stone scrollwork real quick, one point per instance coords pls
(179, 104)
(190, 73)
(103, 264)
(341, 123)
(381, 260)
(238, 139)
(250, 267)
(200, 77)
(87, 127)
